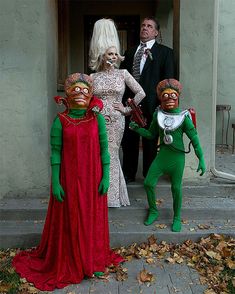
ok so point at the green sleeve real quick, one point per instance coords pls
(152, 132)
(56, 141)
(104, 153)
(191, 132)
(105, 157)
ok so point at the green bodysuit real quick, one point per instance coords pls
(169, 161)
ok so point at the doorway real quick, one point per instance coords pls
(76, 19)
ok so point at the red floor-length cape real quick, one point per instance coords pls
(75, 239)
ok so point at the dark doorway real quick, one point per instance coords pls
(76, 19)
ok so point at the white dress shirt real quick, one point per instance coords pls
(149, 45)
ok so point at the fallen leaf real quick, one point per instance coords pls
(213, 254)
(209, 291)
(170, 260)
(230, 263)
(150, 260)
(145, 276)
(161, 226)
(185, 221)
(203, 227)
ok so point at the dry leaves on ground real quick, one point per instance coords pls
(213, 257)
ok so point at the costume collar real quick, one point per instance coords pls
(171, 121)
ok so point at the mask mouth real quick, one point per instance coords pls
(78, 100)
(169, 104)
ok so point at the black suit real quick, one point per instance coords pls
(159, 68)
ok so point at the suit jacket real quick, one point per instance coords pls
(159, 68)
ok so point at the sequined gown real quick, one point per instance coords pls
(109, 86)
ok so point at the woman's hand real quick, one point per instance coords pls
(119, 107)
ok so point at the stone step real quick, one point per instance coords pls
(223, 190)
(21, 220)
(126, 232)
(23, 209)
(200, 205)
(25, 234)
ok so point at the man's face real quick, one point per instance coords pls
(79, 96)
(148, 30)
(169, 99)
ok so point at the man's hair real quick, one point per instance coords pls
(157, 24)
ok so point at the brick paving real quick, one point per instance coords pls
(169, 279)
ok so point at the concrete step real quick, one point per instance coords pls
(123, 233)
(20, 234)
(24, 234)
(212, 207)
(198, 203)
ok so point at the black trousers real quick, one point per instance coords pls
(130, 148)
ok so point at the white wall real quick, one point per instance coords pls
(28, 54)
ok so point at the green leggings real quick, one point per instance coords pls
(167, 162)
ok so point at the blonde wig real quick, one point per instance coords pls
(103, 37)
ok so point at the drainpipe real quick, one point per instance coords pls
(214, 171)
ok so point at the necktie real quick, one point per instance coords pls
(136, 62)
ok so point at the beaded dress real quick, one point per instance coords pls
(109, 86)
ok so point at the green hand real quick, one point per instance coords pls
(104, 184)
(57, 190)
(201, 167)
(199, 153)
(133, 126)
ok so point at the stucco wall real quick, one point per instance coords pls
(226, 65)
(196, 56)
(28, 42)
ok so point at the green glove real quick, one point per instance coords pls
(104, 184)
(104, 153)
(199, 154)
(133, 126)
(201, 166)
(57, 190)
(149, 134)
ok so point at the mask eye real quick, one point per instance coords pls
(165, 95)
(77, 89)
(85, 91)
(173, 95)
